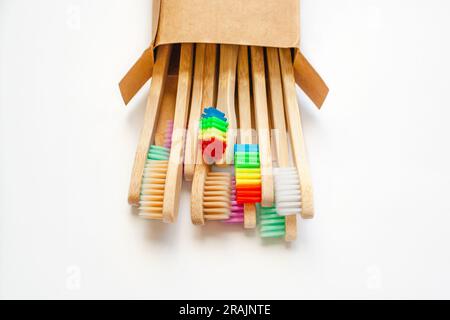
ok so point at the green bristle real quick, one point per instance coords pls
(243, 164)
(271, 224)
(246, 165)
(158, 158)
(246, 159)
(214, 123)
(158, 153)
(159, 148)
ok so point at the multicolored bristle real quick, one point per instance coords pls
(287, 191)
(213, 134)
(153, 182)
(248, 173)
(237, 210)
(271, 224)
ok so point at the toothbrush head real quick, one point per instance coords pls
(213, 135)
(287, 191)
(153, 183)
(248, 173)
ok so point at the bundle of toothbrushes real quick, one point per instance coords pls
(222, 115)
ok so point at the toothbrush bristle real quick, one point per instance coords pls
(153, 183)
(272, 225)
(216, 196)
(213, 134)
(248, 173)
(287, 191)
(237, 210)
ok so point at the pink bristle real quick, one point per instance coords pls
(237, 210)
(168, 134)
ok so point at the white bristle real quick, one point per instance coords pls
(287, 191)
(152, 191)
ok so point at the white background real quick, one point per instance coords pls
(379, 154)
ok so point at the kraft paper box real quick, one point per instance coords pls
(268, 23)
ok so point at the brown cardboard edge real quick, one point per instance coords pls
(309, 80)
(137, 76)
(142, 69)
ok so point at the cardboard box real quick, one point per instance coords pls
(268, 23)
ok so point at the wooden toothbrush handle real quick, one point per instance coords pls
(244, 100)
(209, 96)
(245, 121)
(262, 125)
(198, 186)
(167, 109)
(174, 172)
(278, 121)
(151, 113)
(225, 96)
(190, 153)
(296, 133)
(277, 107)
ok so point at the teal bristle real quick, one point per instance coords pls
(158, 153)
(271, 224)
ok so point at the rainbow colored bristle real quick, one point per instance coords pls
(248, 173)
(271, 224)
(213, 134)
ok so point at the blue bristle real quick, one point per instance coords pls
(246, 148)
(213, 112)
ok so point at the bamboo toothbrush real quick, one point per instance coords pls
(296, 133)
(272, 225)
(209, 96)
(226, 97)
(211, 191)
(217, 188)
(216, 193)
(151, 113)
(154, 177)
(210, 196)
(190, 154)
(174, 172)
(287, 187)
(262, 125)
(245, 126)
